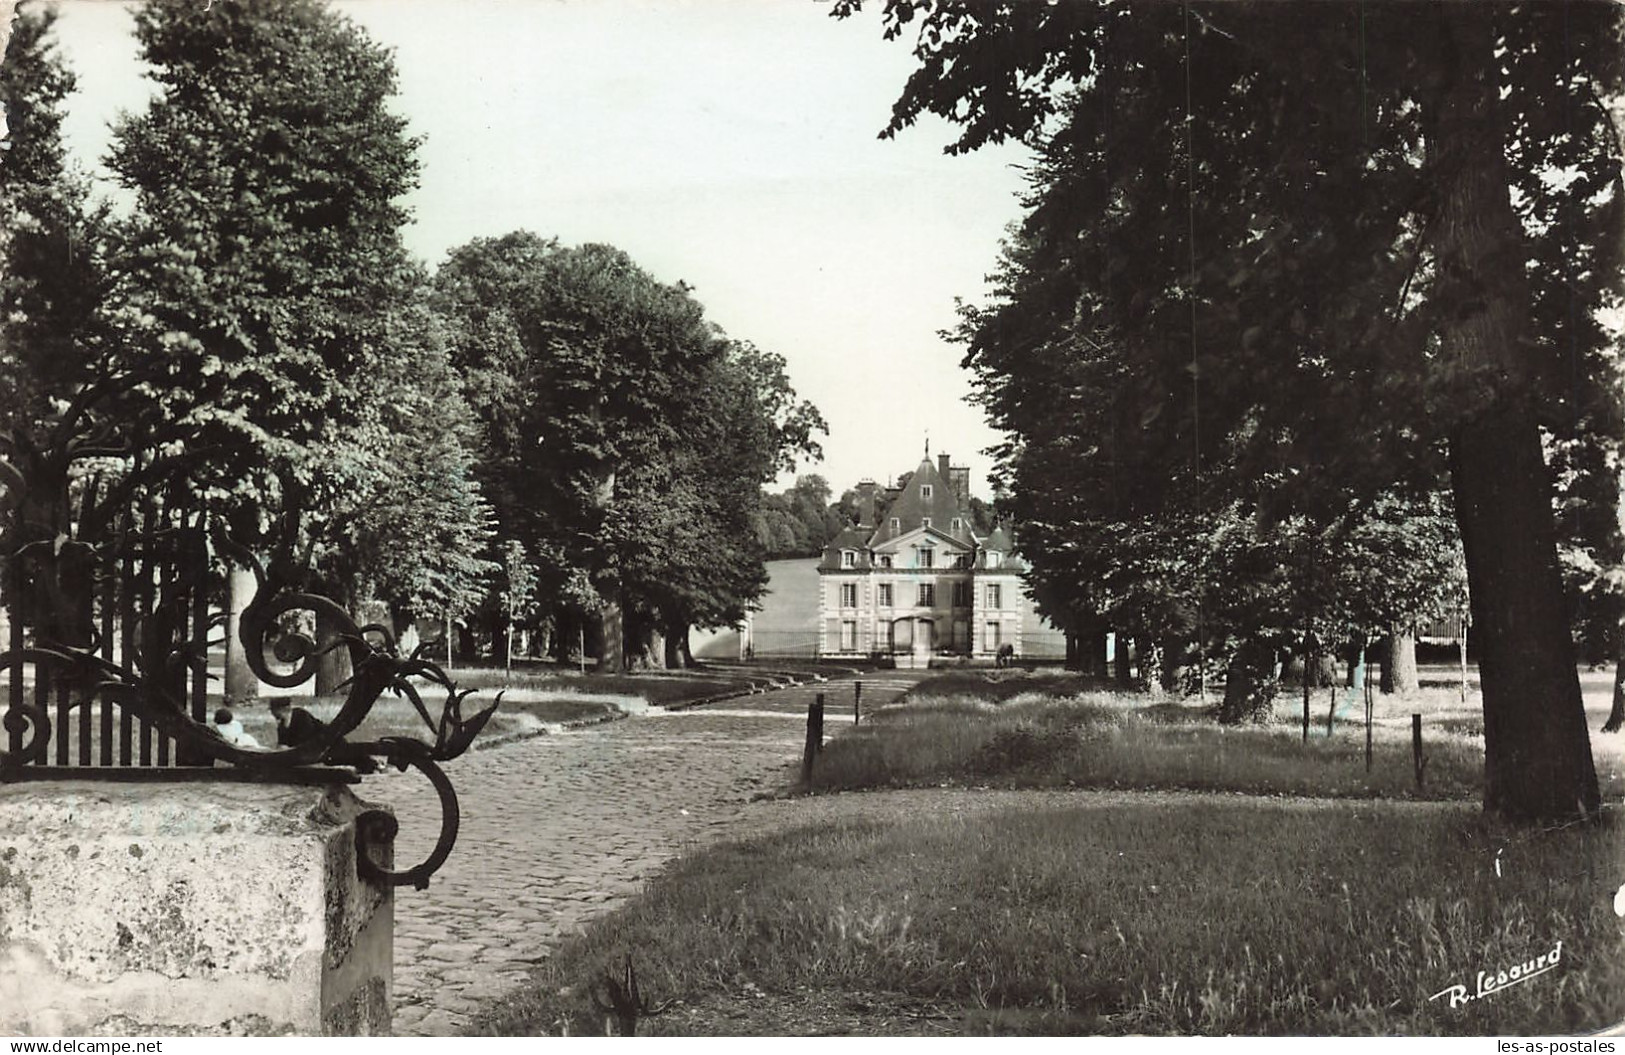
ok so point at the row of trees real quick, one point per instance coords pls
(532, 433)
(1302, 296)
(802, 520)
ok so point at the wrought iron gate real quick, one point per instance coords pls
(109, 622)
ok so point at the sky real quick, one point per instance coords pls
(731, 144)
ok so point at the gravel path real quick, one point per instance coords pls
(559, 828)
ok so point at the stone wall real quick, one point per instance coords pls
(188, 909)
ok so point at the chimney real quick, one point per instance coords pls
(959, 482)
(866, 503)
(942, 467)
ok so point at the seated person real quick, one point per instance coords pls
(231, 730)
(294, 725)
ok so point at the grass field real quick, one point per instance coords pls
(945, 733)
(1122, 913)
(1024, 729)
(531, 702)
(1209, 880)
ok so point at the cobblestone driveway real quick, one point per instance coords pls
(559, 828)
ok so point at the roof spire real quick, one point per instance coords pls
(927, 444)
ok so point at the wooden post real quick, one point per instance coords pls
(1308, 662)
(1416, 748)
(857, 702)
(815, 738)
(1368, 719)
(1462, 642)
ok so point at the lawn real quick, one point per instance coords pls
(1018, 734)
(661, 689)
(1115, 913)
(1027, 729)
(532, 702)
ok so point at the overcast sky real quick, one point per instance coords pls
(728, 143)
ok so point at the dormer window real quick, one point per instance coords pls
(925, 492)
(849, 559)
(885, 560)
(992, 558)
(896, 524)
(957, 525)
(925, 522)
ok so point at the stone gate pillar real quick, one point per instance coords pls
(160, 908)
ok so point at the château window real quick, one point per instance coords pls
(925, 522)
(928, 595)
(849, 595)
(885, 595)
(994, 596)
(923, 558)
(961, 595)
(992, 558)
(896, 524)
(849, 559)
(925, 492)
(849, 636)
(885, 560)
(991, 644)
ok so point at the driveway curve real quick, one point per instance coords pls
(557, 829)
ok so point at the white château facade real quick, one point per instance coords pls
(920, 582)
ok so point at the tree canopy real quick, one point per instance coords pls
(624, 439)
(1284, 261)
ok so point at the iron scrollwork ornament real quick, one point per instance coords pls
(378, 667)
(149, 687)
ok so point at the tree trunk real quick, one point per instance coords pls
(241, 685)
(1148, 678)
(1121, 668)
(675, 640)
(1537, 756)
(1092, 651)
(333, 668)
(611, 639)
(1175, 666)
(1354, 656)
(1616, 716)
(1250, 684)
(1398, 652)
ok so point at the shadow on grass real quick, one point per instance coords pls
(1218, 916)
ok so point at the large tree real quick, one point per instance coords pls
(263, 256)
(52, 278)
(265, 299)
(624, 440)
(1329, 217)
(53, 344)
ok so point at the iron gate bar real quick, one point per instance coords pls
(151, 579)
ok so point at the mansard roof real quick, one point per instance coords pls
(911, 508)
(1000, 541)
(851, 538)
